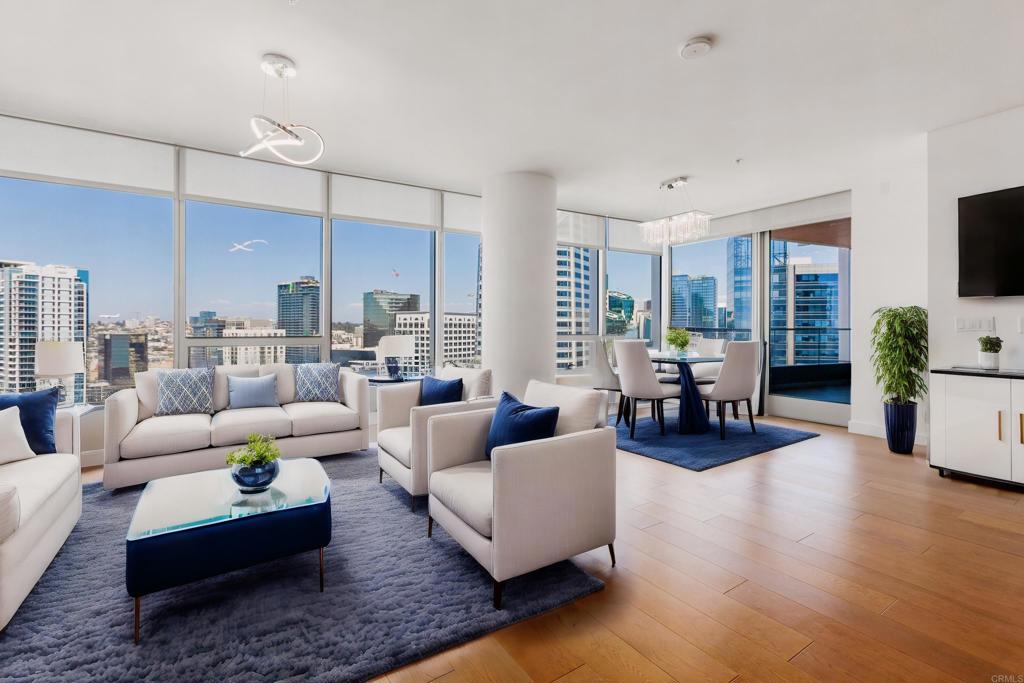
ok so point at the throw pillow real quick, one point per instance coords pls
(516, 422)
(317, 382)
(38, 414)
(12, 436)
(252, 392)
(182, 392)
(434, 391)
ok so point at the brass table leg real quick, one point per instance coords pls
(321, 570)
(138, 607)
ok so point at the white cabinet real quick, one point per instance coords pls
(977, 425)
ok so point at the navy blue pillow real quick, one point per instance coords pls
(516, 422)
(434, 391)
(38, 410)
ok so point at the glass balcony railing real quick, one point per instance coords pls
(811, 363)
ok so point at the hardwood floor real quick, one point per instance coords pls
(828, 560)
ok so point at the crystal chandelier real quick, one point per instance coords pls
(688, 226)
(290, 142)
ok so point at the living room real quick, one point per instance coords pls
(511, 341)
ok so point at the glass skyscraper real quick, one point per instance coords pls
(121, 355)
(738, 287)
(379, 309)
(298, 313)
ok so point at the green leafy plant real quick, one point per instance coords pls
(990, 344)
(899, 341)
(259, 450)
(678, 337)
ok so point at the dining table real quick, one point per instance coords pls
(692, 418)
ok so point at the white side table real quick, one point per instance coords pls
(87, 431)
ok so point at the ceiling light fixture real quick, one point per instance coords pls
(283, 140)
(688, 226)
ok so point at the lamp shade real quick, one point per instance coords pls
(59, 359)
(396, 345)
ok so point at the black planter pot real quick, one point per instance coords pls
(901, 426)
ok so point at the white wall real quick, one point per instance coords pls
(888, 261)
(982, 155)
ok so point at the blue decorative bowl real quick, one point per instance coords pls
(255, 479)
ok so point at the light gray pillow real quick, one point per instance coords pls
(183, 392)
(13, 442)
(252, 392)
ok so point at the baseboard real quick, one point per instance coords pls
(92, 458)
(878, 430)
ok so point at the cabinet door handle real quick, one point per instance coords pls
(1020, 432)
(999, 428)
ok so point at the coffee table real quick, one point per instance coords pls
(194, 526)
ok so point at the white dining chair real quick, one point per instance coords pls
(639, 383)
(706, 373)
(736, 382)
(603, 376)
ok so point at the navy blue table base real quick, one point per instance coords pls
(692, 418)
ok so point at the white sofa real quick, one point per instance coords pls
(139, 447)
(533, 503)
(402, 425)
(40, 503)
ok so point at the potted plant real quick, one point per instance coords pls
(988, 353)
(678, 338)
(899, 341)
(255, 467)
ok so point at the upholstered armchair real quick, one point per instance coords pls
(402, 425)
(531, 504)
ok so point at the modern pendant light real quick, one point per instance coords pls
(688, 226)
(290, 142)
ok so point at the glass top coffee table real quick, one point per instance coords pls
(194, 526)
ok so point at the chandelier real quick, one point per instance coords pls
(688, 226)
(292, 143)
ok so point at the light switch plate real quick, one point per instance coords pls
(986, 324)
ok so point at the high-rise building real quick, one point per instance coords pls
(812, 313)
(121, 355)
(703, 301)
(379, 309)
(680, 301)
(619, 313)
(573, 303)
(298, 313)
(739, 285)
(778, 302)
(459, 334)
(255, 354)
(39, 303)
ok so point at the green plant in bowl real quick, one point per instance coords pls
(254, 467)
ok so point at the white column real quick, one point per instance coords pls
(519, 243)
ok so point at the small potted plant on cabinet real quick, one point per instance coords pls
(255, 467)
(899, 341)
(988, 352)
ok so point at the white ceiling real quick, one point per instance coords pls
(443, 92)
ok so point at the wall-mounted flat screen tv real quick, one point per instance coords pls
(991, 239)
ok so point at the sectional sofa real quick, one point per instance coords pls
(139, 446)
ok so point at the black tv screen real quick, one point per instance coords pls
(991, 240)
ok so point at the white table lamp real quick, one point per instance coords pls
(60, 360)
(391, 347)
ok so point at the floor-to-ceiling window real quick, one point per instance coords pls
(711, 287)
(809, 312)
(89, 265)
(383, 284)
(252, 273)
(460, 333)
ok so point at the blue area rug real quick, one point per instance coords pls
(699, 452)
(392, 596)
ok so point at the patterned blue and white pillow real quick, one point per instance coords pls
(317, 382)
(180, 392)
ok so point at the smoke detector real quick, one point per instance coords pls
(695, 48)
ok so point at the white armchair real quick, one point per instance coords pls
(534, 503)
(402, 425)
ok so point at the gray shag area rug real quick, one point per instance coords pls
(392, 596)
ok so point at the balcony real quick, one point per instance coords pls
(810, 363)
